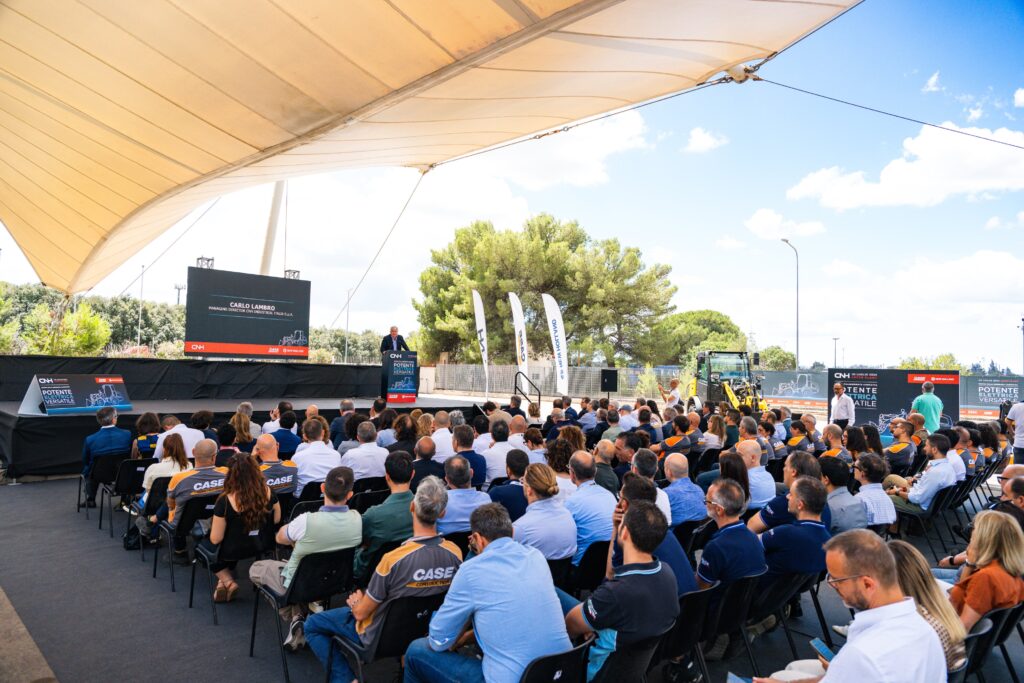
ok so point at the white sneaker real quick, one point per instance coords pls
(315, 607)
(841, 630)
(296, 638)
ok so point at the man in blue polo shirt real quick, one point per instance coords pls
(462, 498)
(512, 626)
(591, 506)
(797, 548)
(734, 551)
(776, 512)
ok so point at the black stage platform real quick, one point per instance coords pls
(52, 445)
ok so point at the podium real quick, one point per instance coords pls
(400, 376)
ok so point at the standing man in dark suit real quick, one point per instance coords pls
(109, 440)
(393, 342)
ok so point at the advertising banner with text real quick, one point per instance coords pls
(879, 396)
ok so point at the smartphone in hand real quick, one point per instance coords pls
(822, 649)
(733, 678)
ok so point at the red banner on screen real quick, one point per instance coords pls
(214, 348)
(920, 378)
(400, 398)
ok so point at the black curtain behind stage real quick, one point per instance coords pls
(150, 379)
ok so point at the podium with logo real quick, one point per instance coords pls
(400, 376)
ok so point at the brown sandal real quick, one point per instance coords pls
(232, 590)
(220, 594)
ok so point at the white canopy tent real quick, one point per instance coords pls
(118, 118)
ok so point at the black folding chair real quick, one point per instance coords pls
(127, 484)
(370, 484)
(733, 609)
(318, 577)
(561, 572)
(311, 491)
(461, 539)
(688, 631)
(231, 550)
(405, 620)
(156, 497)
(629, 662)
(287, 502)
(363, 579)
(195, 509)
(1012, 621)
(103, 471)
(361, 502)
(590, 572)
(564, 667)
(699, 538)
(301, 508)
(812, 587)
(708, 458)
(980, 631)
(985, 642)
(934, 511)
(770, 601)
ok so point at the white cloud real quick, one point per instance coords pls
(770, 225)
(935, 165)
(729, 242)
(702, 140)
(932, 85)
(1018, 97)
(993, 223)
(997, 223)
(974, 113)
(841, 268)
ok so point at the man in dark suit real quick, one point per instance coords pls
(110, 439)
(393, 342)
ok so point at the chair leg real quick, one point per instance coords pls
(103, 493)
(256, 597)
(192, 585)
(750, 652)
(213, 604)
(1009, 664)
(78, 504)
(171, 554)
(789, 636)
(156, 550)
(701, 662)
(826, 636)
(280, 644)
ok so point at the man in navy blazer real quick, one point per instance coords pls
(287, 442)
(393, 342)
(110, 439)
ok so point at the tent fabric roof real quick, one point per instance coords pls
(117, 118)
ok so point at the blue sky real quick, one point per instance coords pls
(923, 258)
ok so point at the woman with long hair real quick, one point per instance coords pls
(990, 449)
(546, 525)
(714, 437)
(652, 405)
(533, 414)
(174, 460)
(535, 444)
(557, 457)
(424, 425)
(245, 435)
(874, 439)
(574, 435)
(932, 604)
(731, 466)
(855, 441)
(405, 435)
(147, 427)
(992, 568)
(246, 505)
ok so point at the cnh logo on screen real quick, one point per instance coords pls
(196, 347)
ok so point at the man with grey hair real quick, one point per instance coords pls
(366, 459)
(462, 498)
(338, 423)
(734, 551)
(456, 418)
(245, 408)
(685, 497)
(442, 436)
(645, 464)
(109, 440)
(424, 565)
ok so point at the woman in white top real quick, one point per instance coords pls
(558, 460)
(173, 461)
(714, 437)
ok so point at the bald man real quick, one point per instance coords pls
(280, 474)
(685, 497)
(604, 454)
(312, 411)
(516, 428)
(695, 435)
(204, 480)
(762, 484)
(591, 505)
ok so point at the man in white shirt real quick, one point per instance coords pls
(888, 640)
(172, 425)
(275, 418)
(516, 430)
(626, 419)
(645, 464)
(442, 437)
(672, 397)
(1015, 421)
(366, 459)
(843, 410)
(495, 455)
(316, 459)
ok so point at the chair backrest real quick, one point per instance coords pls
(104, 468)
(1011, 623)
(321, 575)
(372, 561)
(499, 481)
(700, 537)
(564, 667)
(239, 545)
(688, 629)
(311, 491)
(405, 620)
(628, 662)
(130, 474)
(157, 495)
(370, 484)
(979, 631)
(197, 508)
(771, 598)
(592, 566)
(560, 571)
(942, 500)
(305, 506)
(733, 608)
(708, 458)
(986, 641)
(461, 539)
(361, 502)
(685, 530)
(286, 501)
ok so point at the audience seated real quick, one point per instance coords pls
(626, 446)
(797, 548)
(798, 464)
(494, 456)
(171, 424)
(174, 460)
(638, 601)
(513, 408)
(714, 434)
(813, 434)
(488, 592)
(685, 497)
(274, 423)
(225, 439)
(846, 511)
(462, 497)
(398, 575)
(614, 428)
(281, 475)
(332, 527)
(442, 436)
(833, 437)
(591, 506)
(546, 525)
(902, 451)
(645, 464)
(762, 483)
(495, 414)
(799, 440)
(366, 459)
(482, 429)
(205, 479)
(889, 641)
(350, 440)
(147, 427)
(644, 417)
(606, 478)
(203, 421)
(557, 458)
(734, 551)
(462, 442)
(424, 465)
(676, 441)
(517, 432)
(337, 427)
(386, 433)
(536, 448)
(244, 509)
(391, 520)
(108, 440)
(377, 408)
(287, 440)
(991, 575)
(511, 494)
(871, 470)
(732, 428)
(916, 494)
(315, 461)
(405, 435)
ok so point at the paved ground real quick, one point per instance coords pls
(95, 613)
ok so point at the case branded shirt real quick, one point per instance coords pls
(900, 454)
(280, 475)
(202, 481)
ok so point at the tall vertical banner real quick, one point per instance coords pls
(557, 330)
(481, 336)
(519, 326)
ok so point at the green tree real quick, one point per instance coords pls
(678, 337)
(610, 300)
(777, 358)
(8, 325)
(160, 322)
(943, 361)
(79, 332)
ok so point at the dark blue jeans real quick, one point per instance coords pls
(423, 665)
(320, 628)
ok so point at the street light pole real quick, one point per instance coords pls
(835, 348)
(348, 307)
(797, 253)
